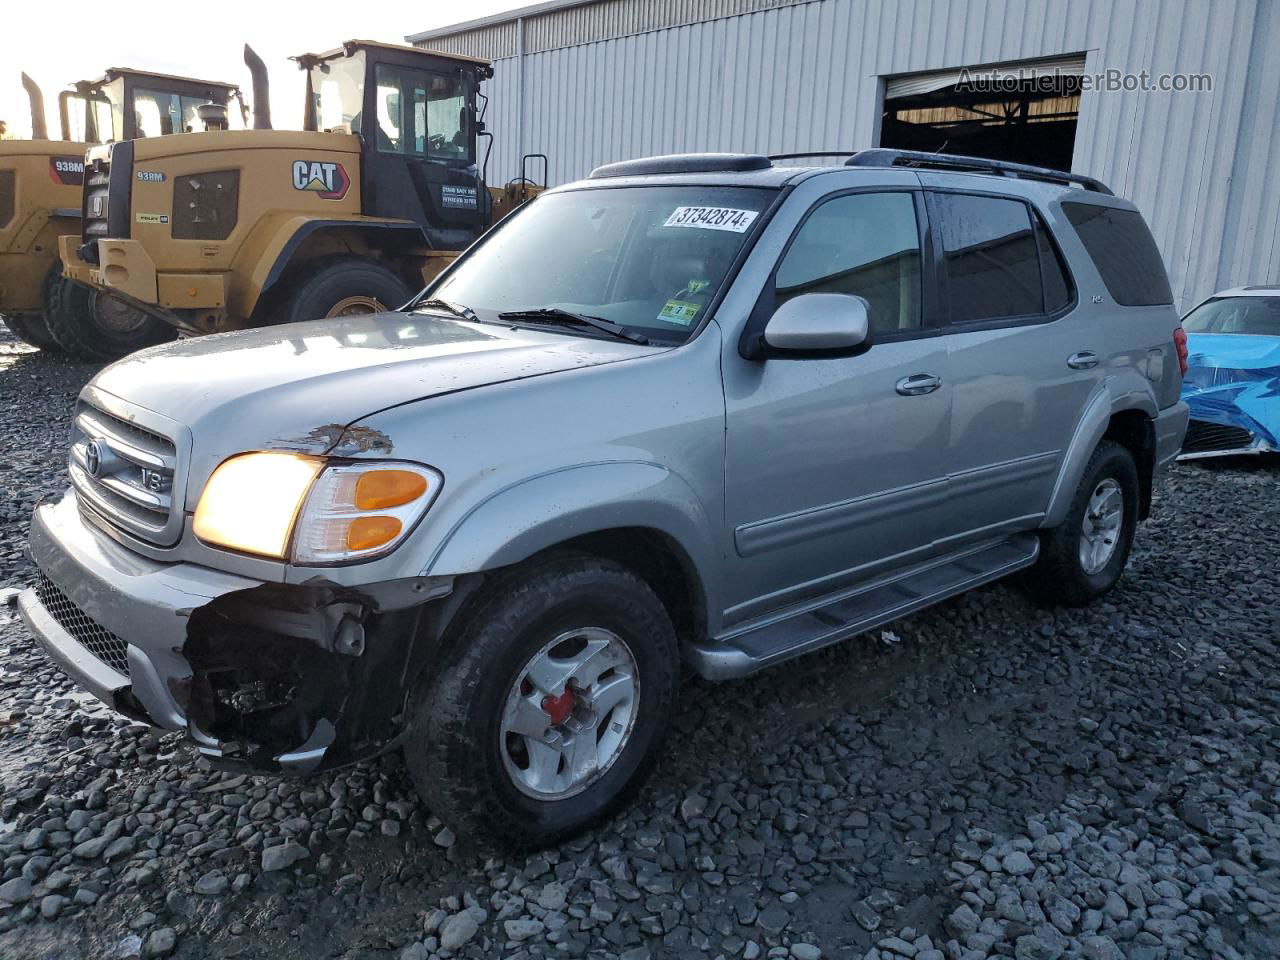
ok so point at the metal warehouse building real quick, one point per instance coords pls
(592, 81)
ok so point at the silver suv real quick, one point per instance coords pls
(701, 411)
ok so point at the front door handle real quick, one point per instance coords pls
(918, 384)
(1082, 360)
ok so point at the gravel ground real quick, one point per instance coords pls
(984, 779)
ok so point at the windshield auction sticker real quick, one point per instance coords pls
(711, 218)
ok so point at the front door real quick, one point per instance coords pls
(835, 467)
(419, 158)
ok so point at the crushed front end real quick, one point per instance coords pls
(1234, 396)
(267, 676)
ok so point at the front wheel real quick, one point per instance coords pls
(1084, 556)
(552, 709)
(339, 287)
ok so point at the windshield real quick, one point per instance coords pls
(339, 92)
(104, 108)
(647, 258)
(1259, 316)
(158, 113)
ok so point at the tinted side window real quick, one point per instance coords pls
(866, 244)
(1057, 286)
(1124, 252)
(992, 258)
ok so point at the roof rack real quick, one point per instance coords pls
(884, 157)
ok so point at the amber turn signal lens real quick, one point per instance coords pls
(381, 489)
(365, 533)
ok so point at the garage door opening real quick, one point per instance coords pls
(1025, 112)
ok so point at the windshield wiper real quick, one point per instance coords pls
(457, 309)
(556, 315)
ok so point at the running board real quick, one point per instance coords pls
(862, 609)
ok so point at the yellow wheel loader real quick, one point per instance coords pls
(41, 188)
(371, 199)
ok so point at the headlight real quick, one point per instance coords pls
(260, 502)
(251, 501)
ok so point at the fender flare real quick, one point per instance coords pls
(410, 233)
(518, 521)
(1090, 429)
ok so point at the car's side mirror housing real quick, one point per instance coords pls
(818, 325)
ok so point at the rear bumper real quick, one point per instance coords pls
(261, 676)
(1171, 427)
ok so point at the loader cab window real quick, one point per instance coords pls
(423, 114)
(89, 119)
(158, 113)
(339, 92)
(103, 119)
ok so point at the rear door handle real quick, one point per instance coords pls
(918, 384)
(1082, 360)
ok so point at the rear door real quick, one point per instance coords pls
(834, 467)
(1023, 359)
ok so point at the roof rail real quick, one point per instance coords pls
(884, 157)
(811, 153)
(683, 163)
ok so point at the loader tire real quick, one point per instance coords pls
(94, 326)
(338, 287)
(30, 329)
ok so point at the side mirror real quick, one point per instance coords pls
(818, 324)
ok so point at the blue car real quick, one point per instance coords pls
(1232, 383)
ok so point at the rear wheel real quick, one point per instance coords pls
(339, 287)
(1084, 556)
(553, 707)
(93, 325)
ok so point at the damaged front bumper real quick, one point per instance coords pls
(263, 676)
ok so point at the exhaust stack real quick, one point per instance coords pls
(39, 125)
(261, 89)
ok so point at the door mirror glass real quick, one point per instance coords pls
(818, 323)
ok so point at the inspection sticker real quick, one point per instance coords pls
(679, 312)
(711, 218)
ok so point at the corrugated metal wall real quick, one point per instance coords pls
(809, 76)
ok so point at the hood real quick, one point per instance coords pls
(1233, 350)
(297, 386)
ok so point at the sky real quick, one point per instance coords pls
(75, 40)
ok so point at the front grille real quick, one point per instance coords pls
(97, 182)
(124, 473)
(95, 638)
(1206, 437)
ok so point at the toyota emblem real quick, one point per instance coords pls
(93, 458)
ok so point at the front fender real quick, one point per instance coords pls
(269, 250)
(534, 514)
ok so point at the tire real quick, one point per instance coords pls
(465, 763)
(30, 329)
(339, 286)
(1061, 576)
(91, 325)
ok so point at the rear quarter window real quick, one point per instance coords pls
(1124, 253)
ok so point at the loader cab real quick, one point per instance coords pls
(415, 113)
(126, 104)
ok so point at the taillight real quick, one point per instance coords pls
(1180, 345)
